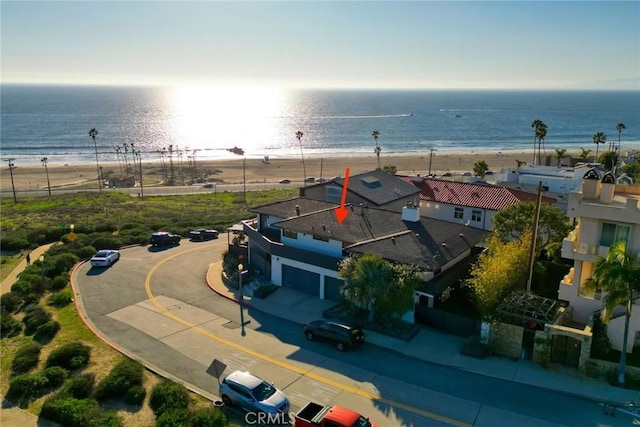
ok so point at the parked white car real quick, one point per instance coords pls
(105, 258)
(252, 394)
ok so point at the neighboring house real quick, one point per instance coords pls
(466, 203)
(373, 189)
(300, 242)
(604, 213)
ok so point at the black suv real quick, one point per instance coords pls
(342, 334)
(162, 238)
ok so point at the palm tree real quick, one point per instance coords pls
(560, 153)
(304, 169)
(534, 125)
(619, 127)
(619, 275)
(541, 133)
(584, 154)
(44, 162)
(92, 133)
(599, 138)
(377, 150)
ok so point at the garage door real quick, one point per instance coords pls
(332, 288)
(301, 280)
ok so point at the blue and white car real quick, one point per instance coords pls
(105, 258)
(252, 394)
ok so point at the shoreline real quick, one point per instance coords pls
(84, 175)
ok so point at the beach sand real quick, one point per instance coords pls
(82, 176)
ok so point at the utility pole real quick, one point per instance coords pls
(44, 162)
(13, 187)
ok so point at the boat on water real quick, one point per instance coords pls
(458, 115)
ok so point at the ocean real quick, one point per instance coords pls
(204, 123)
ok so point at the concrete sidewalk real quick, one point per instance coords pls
(431, 345)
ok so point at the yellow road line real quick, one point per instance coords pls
(303, 372)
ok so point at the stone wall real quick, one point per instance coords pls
(506, 339)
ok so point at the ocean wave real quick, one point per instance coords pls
(377, 116)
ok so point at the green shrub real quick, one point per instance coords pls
(70, 356)
(168, 396)
(122, 377)
(26, 286)
(86, 252)
(135, 395)
(15, 240)
(59, 282)
(34, 317)
(11, 301)
(208, 418)
(174, 418)
(80, 387)
(9, 327)
(69, 411)
(56, 375)
(26, 358)
(61, 298)
(60, 264)
(26, 387)
(46, 332)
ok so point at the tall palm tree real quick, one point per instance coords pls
(534, 125)
(541, 133)
(619, 275)
(377, 150)
(304, 169)
(599, 138)
(92, 133)
(44, 162)
(619, 127)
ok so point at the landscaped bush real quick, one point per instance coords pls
(168, 396)
(26, 358)
(46, 332)
(473, 347)
(56, 375)
(11, 301)
(59, 264)
(86, 252)
(80, 387)
(9, 327)
(61, 298)
(135, 395)
(122, 377)
(59, 282)
(34, 317)
(208, 418)
(174, 418)
(72, 412)
(15, 240)
(26, 387)
(29, 284)
(108, 242)
(70, 356)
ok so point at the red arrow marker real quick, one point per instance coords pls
(342, 212)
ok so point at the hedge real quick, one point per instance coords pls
(72, 412)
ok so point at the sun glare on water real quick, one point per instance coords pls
(214, 119)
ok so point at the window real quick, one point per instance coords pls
(612, 233)
(458, 213)
(334, 194)
(476, 216)
(322, 238)
(290, 234)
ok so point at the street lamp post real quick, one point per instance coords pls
(13, 187)
(41, 258)
(242, 331)
(44, 162)
(430, 160)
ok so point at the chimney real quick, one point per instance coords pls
(411, 212)
(608, 188)
(591, 184)
(297, 210)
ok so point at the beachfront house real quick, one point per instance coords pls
(604, 213)
(471, 204)
(299, 243)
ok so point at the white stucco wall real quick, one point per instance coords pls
(306, 241)
(446, 212)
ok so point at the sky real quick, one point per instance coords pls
(322, 44)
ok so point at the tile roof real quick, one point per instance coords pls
(484, 196)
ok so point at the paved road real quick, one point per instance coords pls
(155, 305)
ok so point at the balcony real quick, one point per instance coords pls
(581, 251)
